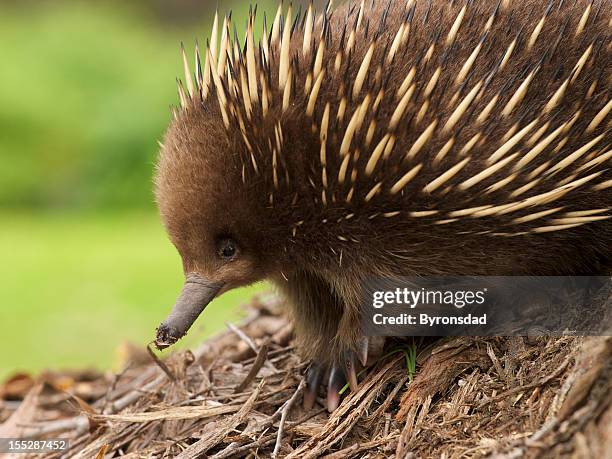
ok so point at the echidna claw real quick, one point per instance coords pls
(334, 386)
(313, 379)
(363, 344)
(350, 372)
(338, 374)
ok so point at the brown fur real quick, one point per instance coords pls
(209, 186)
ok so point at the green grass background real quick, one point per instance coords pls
(75, 286)
(85, 89)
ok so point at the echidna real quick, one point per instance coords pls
(388, 138)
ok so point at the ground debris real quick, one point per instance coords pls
(470, 397)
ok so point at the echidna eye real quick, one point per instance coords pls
(227, 249)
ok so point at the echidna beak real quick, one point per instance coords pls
(195, 296)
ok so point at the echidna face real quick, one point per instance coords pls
(209, 218)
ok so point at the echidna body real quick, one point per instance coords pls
(385, 139)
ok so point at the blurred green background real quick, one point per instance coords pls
(85, 89)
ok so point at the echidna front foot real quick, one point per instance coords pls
(343, 370)
(336, 378)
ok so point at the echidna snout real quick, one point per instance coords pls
(391, 139)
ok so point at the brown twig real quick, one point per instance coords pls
(244, 337)
(200, 447)
(78, 424)
(235, 450)
(160, 363)
(259, 362)
(284, 412)
(539, 382)
(134, 395)
(356, 448)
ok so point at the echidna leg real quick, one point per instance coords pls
(327, 334)
(316, 314)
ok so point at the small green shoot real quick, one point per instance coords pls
(409, 351)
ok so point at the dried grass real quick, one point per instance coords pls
(238, 395)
